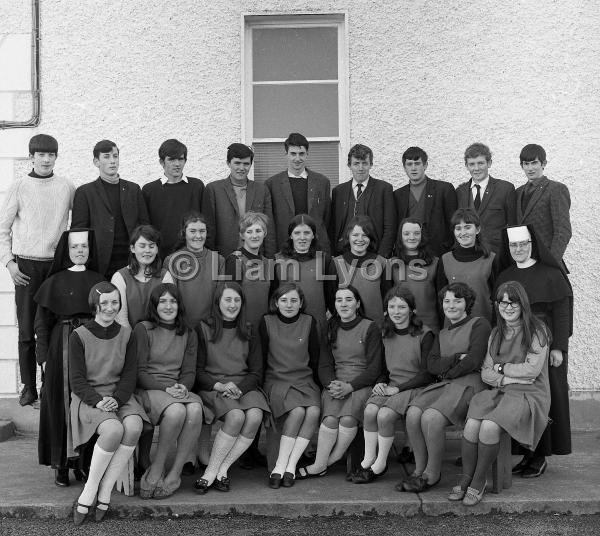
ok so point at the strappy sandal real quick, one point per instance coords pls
(79, 517)
(303, 474)
(99, 512)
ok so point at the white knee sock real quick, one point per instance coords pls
(286, 445)
(345, 437)
(370, 449)
(221, 447)
(326, 441)
(385, 444)
(117, 463)
(240, 446)
(299, 447)
(100, 460)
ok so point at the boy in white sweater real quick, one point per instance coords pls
(34, 214)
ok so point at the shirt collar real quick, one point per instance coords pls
(164, 180)
(303, 175)
(364, 184)
(483, 184)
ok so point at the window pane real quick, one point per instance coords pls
(310, 109)
(323, 157)
(294, 54)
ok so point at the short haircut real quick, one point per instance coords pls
(251, 218)
(104, 146)
(360, 152)
(478, 149)
(104, 287)
(414, 153)
(43, 143)
(460, 291)
(173, 149)
(284, 289)
(239, 150)
(532, 151)
(152, 309)
(295, 139)
(366, 224)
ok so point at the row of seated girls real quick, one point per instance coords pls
(169, 344)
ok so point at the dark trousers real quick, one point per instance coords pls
(26, 309)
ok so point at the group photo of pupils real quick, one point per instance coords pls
(179, 322)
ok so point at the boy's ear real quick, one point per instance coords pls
(96, 162)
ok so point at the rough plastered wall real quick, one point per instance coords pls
(436, 74)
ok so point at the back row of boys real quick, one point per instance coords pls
(36, 209)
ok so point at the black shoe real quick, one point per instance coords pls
(201, 486)
(79, 475)
(288, 479)
(28, 396)
(222, 485)
(275, 480)
(521, 466)
(535, 468)
(61, 477)
(363, 476)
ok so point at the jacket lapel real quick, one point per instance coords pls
(312, 191)
(537, 194)
(231, 195)
(429, 196)
(102, 193)
(345, 193)
(487, 195)
(286, 190)
(250, 193)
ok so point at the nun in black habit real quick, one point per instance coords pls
(545, 280)
(62, 306)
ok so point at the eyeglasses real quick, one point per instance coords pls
(505, 304)
(516, 245)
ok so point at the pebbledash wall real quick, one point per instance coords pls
(440, 75)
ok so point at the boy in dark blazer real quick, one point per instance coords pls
(299, 190)
(363, 195)
(543, 203)
(493, 200)
(226, 200)
(112, 206)
(430, 201)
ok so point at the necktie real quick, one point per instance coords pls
(477, 201)
(359, 188)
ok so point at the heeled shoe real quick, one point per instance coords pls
(473, 496)
(100, 513)
(61, 477)
(222, 485)
(418, 484)
(288, 479)
(302, 474)
(79, 517)
(275, 480)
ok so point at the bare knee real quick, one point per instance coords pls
(175, 413)
(331, 422)
(413, 416)
(489, 432)
(312, 413)
(110, 432)
(194, 413)
(253, 417)
(471, 430)
(386, 416)
(348, 422)
(432, 417)
(371, 412)
(235, 418)
(132, 429)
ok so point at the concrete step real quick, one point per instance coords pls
(7, 430)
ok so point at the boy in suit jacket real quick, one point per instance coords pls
(363, 195)
(493, 200)
(299, 190)
(112, 206)
(543, 203)
(226, 200)
(430, 201)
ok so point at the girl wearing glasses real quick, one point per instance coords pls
(516, 366)
(551, 298)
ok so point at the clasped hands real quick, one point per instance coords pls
(339, 389)
(228, 390)
(383, 389)
(177, 390)
(108, 403)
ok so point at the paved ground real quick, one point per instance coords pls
(570, 485)
(489, 525)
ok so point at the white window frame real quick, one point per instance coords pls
(249, 21)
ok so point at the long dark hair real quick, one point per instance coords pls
(531, 325)
(468, 215)
(287, 248)
(152, 313)
(334, 322)
(151, 234)
(423, 251)
(215, 319)
(415, 324)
